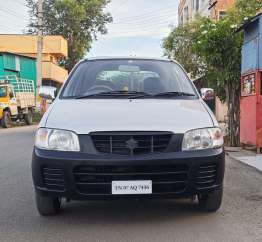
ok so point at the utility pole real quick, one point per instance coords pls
(39, 43)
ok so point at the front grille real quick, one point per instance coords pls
(131, 143)
(53, 178)
(97, 180)
(206, 176)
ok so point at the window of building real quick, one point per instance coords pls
(186, 16)
(181, 19)
(197, 5)
(221, 14)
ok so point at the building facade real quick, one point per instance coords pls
(14, 66)
(189, 9)
(218, 8)
(54, 50)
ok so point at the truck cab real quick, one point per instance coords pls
(15, 105)
(8, 98)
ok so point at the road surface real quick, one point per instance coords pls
(239, 219)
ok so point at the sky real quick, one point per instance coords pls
(138, 26)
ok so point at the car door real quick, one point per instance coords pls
(13, 101)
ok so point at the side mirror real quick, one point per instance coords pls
(55, 93)
(11, 95)
(208, 95)
(47, 92)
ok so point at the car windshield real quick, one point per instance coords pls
(3, 92)
(128, 78)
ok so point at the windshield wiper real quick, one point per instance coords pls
(174, 94)
(135, 94)
(121, 93)
(88, 96)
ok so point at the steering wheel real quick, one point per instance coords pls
(100, 88)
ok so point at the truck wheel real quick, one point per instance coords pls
(29, 117)
(211, 202)
(47, 206)
(6, 120)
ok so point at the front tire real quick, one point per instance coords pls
(29, 117)
(47, 206)
(6, 120)
(211, 202)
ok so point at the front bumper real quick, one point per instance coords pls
(81, 176)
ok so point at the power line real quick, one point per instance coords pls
(121, 5)
(146, 19)
(12, 13)
(149, 13)
(7, 28)
(150, 28)
(148, 24)
(20, 3)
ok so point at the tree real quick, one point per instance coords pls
(246, 9)
(218, 50)
(179, 45)
(78, 21)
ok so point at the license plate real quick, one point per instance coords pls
(132, 187)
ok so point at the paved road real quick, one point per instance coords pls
(240, 218)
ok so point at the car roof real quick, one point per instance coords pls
(127, 57)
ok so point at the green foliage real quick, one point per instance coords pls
(247, 8)
(179, 45)
(220, 49)
(78, 22)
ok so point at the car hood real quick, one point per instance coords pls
(90, 115)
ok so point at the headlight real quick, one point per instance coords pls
(55, 139)
(199, 139)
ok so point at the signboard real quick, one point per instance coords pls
(248, 86)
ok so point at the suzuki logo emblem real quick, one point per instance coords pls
(131, 144)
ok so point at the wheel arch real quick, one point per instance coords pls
(7, 109)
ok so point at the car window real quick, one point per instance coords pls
(148, 76)
(120, 80)
(3, 92)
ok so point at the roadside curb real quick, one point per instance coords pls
(232, 155)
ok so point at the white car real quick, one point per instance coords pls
(128, 128)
